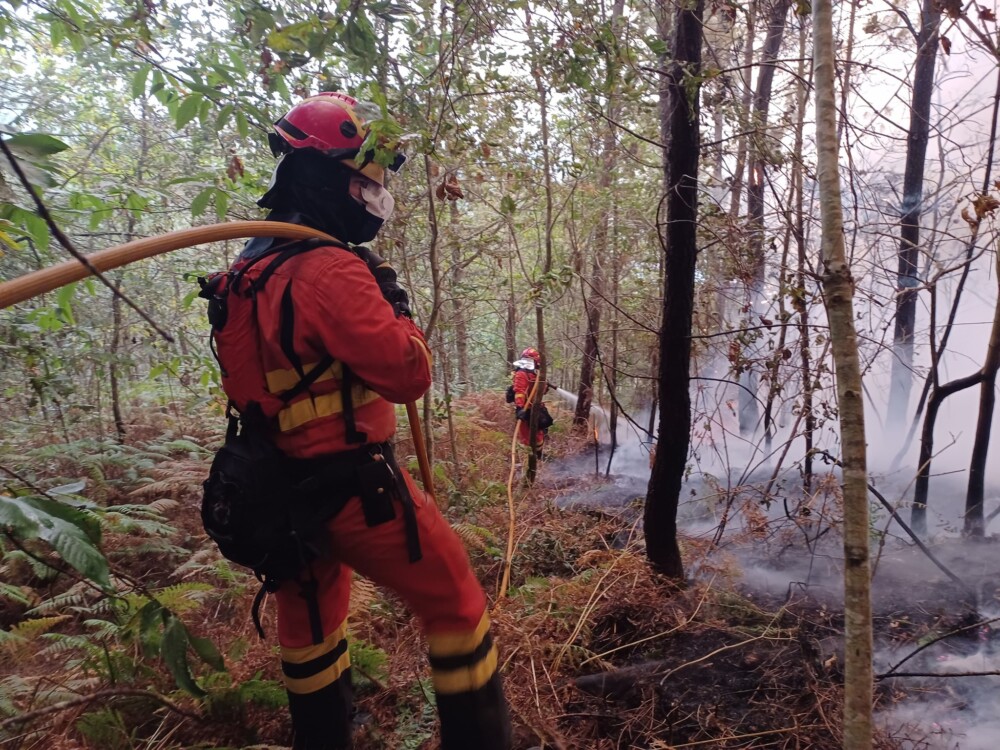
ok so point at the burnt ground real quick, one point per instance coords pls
(775, 682)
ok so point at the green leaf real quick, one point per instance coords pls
(139, 82)
(242, 125)
(64, 298)
(200, 202)
(35, 144)
(208, 653)
(158, 82)
(13, 517)
(225, 114)
(507, 205)
(66, 529)
(188, 109)
(293, 38)
(656, 45)
(87, 521)
(76, 549)
(150, 619)
(73, 488)
(221, 204)
(57, 32)
(173, 649)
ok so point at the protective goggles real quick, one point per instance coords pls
(376, 199)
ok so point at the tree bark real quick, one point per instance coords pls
(909, 230)
(680, 132)
(749, 411)
(838, 291)
(543, 105)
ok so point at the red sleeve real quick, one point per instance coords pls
(358, 327)
(522, 387)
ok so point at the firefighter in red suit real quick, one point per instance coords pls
(346, 305)
(524, 381)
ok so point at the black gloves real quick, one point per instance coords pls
(385, 276)
(522, 413)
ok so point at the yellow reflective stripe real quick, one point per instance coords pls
(458, 644)
(307, 653)
(466, 679)
(319, 681)
(427, 352)
(282, 380)
(309, 409)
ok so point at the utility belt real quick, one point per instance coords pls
(268, 512)
(370, 473)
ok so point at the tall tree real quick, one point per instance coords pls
(759, 148)
(909, 224)
(838, 289)
(594, 301)
(681, 134)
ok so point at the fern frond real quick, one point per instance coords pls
(363, 593)
(164, 504)
(474, 536)
(31, 629)
(76, 598)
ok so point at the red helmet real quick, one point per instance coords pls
(335, 125)
(532, 353)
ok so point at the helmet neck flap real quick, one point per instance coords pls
(318, 187)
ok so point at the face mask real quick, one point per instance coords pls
(376, 199)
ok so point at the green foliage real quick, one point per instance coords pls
(73, 533)
(368, 661)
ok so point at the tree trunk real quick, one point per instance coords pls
(510, 326)
(680, 132)
(838, 291)
(543, 105)
(460, 325)
(909, 230)
(800, 302)
(116, 337)
(749, 411)
(592, 306)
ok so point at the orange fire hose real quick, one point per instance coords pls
(45, 280)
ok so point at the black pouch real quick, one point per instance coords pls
(509, 394)
(545, 420)
(378, 489)
(249, 508)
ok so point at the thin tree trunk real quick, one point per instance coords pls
(460, 324)
(680, 132)
(116, 335)
(838, 291)
(594, 301)
(976, 494)
(800, 303)
(543, 105)
(741, 143)
(510, 327)
(749, 411)
(909, 231)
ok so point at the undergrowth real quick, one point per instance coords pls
(597, 651)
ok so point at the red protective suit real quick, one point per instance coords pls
(524, 381)
(340, 311)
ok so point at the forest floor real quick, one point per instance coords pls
(597, 651)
